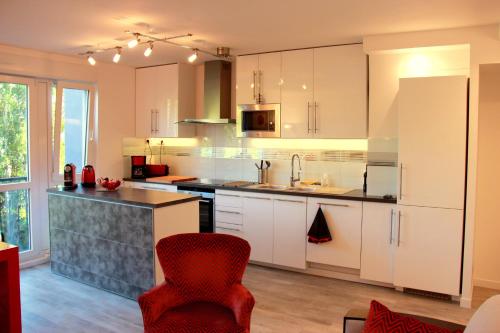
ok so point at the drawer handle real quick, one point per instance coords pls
(257, 198)
(227, 211)
(228, 195)
(225, 228)
(332, 204)
(286, 200)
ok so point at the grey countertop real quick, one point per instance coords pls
(129, 196)
(357, 195)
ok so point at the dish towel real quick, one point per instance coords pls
(319, 232)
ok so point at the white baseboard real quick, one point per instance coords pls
(485, 283)
(35, 261)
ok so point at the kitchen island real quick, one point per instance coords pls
(107, 239)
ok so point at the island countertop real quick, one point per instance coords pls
(128, 196)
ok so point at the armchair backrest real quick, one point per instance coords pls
(203, 266)
(487, 318)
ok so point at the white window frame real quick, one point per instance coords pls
(56, 177)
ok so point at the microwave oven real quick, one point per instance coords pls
(258, 120)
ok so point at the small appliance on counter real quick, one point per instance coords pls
(138, 167)
(88, 176)
(156, 170)
(69, 176)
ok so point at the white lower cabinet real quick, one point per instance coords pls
(429, 249)
(344, 221)
(258, 225)
(290, 214)
(378, 241)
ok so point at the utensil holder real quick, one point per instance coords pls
(262, 176)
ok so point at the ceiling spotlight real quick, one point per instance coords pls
(91, 59)
(149, 50)
(194, 56)
(134, 42)
(118, 55)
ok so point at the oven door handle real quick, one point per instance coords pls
(206, 201)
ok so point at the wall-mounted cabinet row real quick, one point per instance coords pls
(322, 91)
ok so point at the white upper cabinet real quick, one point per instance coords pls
(164, 96)
(258, 77)
(432, 141)
(344, 221)
(340, 92)
(246, 79)
(378, 241)
(324, 93)
(297, 98)
(290, 231)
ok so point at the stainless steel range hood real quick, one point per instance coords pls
(217, 97)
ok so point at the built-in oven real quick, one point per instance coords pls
(207, 205)
(259, 120)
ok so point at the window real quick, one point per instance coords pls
(72, 127)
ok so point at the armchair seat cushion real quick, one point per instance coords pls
(200, 317)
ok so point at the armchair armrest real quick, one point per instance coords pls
(157, 300)
(241, 302)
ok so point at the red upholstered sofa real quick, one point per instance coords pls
(202, 291)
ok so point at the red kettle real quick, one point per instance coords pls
(88, 176)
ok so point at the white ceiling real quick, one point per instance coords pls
(73, 26)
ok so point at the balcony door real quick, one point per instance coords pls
(23, 163)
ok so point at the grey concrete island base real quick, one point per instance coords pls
(110, 244)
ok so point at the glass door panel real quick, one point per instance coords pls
(15, 179)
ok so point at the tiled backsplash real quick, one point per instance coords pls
(217, 153)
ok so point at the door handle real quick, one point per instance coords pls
(390, 235)
(257, 198)
(315, 117)
(400, 181)
(308, 117)
(286, 200)
(254, 83)
(399, 227)
(227, 211)
(332, 204)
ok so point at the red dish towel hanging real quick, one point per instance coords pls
(319, 232)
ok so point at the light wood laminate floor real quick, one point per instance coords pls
(286, 302)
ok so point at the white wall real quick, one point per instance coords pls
(116, 104)
(485, 48)
(487, 246)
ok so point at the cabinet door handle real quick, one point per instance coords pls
(399, 227)
(152, 121)
(308, 117)
(287, 200)
(400, 181)
(227, 211)
(254, 83)
(257, 198)
(157, 121)
(225, 228)
(390, 235)
(332, 204)
(260, 88)
(228, 195)
(315, 117)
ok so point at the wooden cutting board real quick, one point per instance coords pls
(170, 179)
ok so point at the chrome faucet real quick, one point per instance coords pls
(292, 179)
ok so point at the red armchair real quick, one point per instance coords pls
(202, 291)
